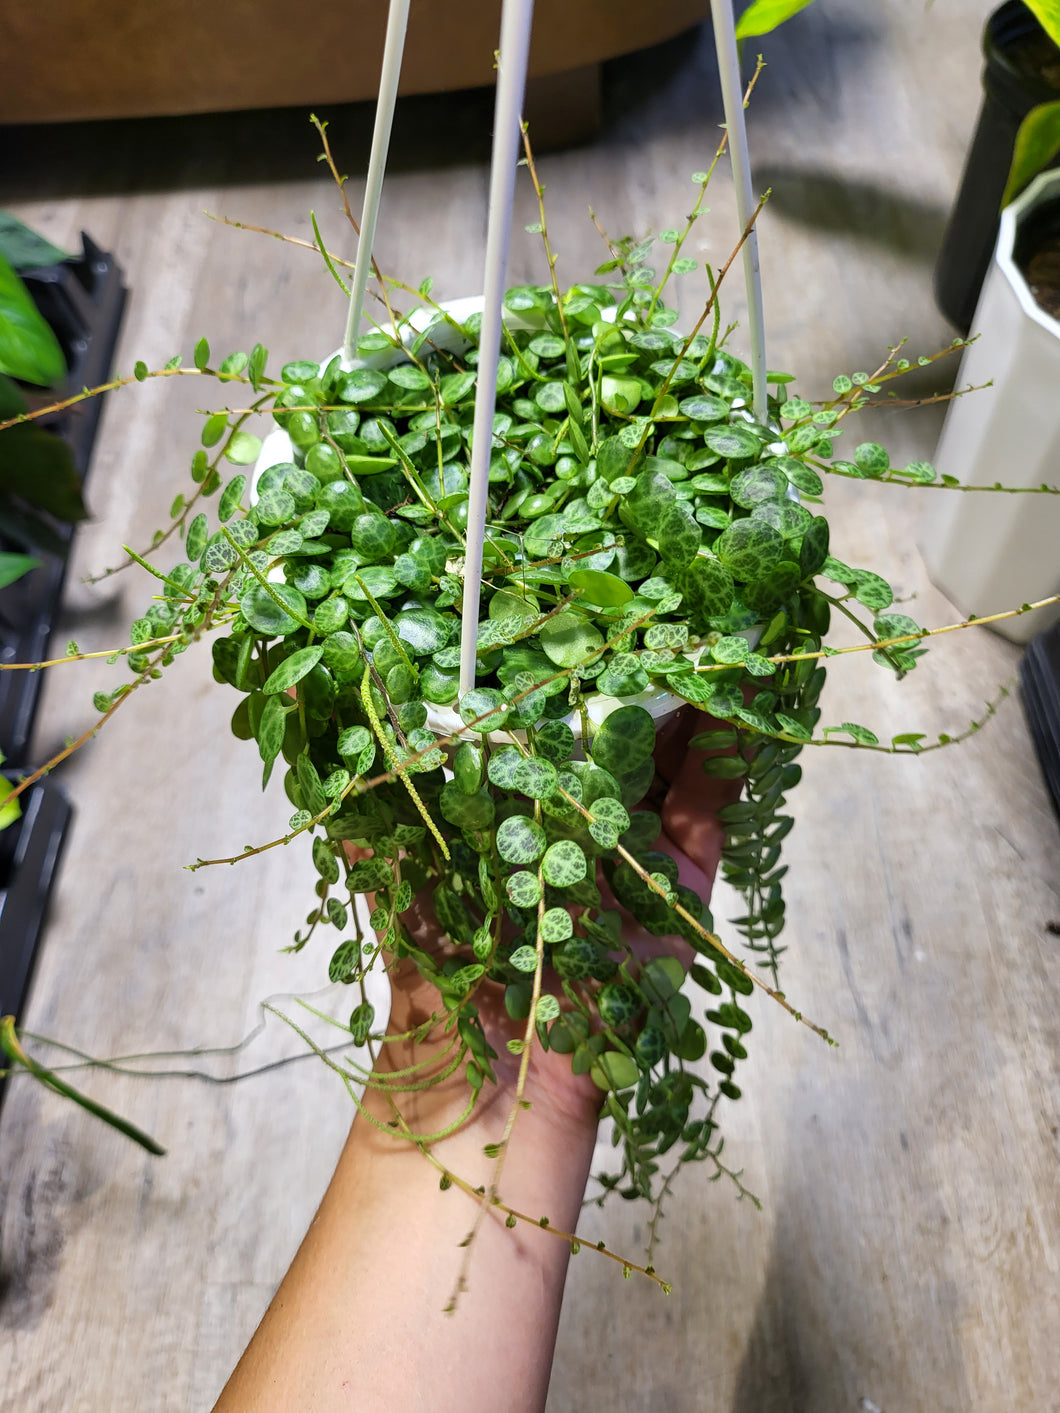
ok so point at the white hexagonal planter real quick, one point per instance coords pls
(988, 552)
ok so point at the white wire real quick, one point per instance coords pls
(516, 19)
(394, 48)
(732, 97)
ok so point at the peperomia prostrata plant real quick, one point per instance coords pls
(648, 539)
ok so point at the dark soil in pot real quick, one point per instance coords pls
(1037, 255)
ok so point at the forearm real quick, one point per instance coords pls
(359, 1320)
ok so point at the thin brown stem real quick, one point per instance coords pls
(539, 192)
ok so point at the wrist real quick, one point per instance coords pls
(419, 1090)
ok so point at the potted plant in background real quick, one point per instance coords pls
(983, 550)
(1017, 135)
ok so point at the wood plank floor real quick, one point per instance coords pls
(906, 1257)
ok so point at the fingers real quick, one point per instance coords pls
(690, 809)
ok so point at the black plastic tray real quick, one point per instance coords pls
(82, 299)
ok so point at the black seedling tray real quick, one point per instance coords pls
(29, 860)
(83, 300)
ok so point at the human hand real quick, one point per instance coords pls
(687, 802)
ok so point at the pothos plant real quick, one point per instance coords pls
(650, 547)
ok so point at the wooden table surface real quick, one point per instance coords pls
(906, 1256)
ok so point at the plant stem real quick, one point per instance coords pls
(10, 1044)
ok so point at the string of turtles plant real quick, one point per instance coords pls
(645, 535)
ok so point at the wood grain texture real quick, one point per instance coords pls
(906, 1257)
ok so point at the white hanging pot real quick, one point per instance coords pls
(277, 448)
(991, 552)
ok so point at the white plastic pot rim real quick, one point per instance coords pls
(1045, 187)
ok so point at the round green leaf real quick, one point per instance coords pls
(804, 478)
(535, 778)
(521, 841)
(286, 542)
(733, 649)
(611, 811)
(618, 1003)
(243, 448)
(548, 346)
(772, 587)
(748, 548)
(732, 442)
(401, 683)
(439, 687)
(623, 677)
(614, 1070)
(467, 767)
(871, 459)
(872, 590)
(345, 963)
(706, 589)
(676, 531)
(487, 703)
(423, 629)
(353, 741)
(343, 502)
(757, 483)
(524, 889)
(408, 376)
(625, 740)
(342, 656)
(373, 537)
(556, 925)
(265, 615)
(564, 864)
(309, 579)
(550, 398)
(620, 395)
(218, 556)
(361, 1022)
(502, 766)
(197, 536)
(466, 811)
(231, 497)
(569, 639)
(554, 740)
(547, 1009)
(329, 616)
(539, 536)
(606, 590)
(895, 625)
(325, 861)
(292, 670)
(275, 507)
(703, 408)
(361, 385)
